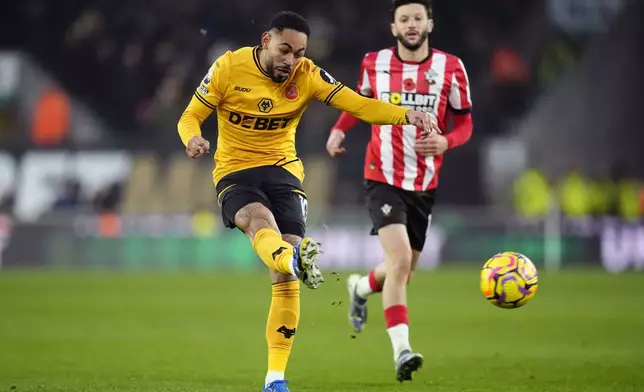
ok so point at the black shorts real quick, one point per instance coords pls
(388, 204)
(274, 187)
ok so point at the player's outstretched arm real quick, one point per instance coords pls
(374, 111)
(328, 90)
(346, 121)
(369, 110)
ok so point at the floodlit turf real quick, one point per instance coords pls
(584, 331)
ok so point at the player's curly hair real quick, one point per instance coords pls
(289, 20)
(395, 4)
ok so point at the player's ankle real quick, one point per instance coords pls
(375, 284)
(368, 285)
(399, 336)
(396, 315)
(295, 265)
(272, 376)
(363, 288)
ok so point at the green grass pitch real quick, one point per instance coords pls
(99, 332)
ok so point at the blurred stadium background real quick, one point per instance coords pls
(92, 166)
(93, 175)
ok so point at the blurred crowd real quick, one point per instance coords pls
(575, 195)
(619, 194)
(138, 62)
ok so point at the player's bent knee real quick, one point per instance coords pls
(400, 265)
(261, 222)
(400, 269)
(254, 217)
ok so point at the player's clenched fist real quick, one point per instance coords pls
(197, 146)
(334, 144)
(423, 121)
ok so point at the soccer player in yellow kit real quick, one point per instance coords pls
(260, 94)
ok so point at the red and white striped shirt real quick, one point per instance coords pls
(434, 86)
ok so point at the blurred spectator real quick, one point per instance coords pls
(70, 196)
(511, 77)
(116, 56)
(51, 118)
(558, 56)
(626, 200)
(575, 195)
(160, 115)
(532, 195)
(6, 203)
(90, 23)
(508, 68)
(137, 63)
(108, 199)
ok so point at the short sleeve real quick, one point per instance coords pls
(460, 100)
(212, 89)
(323, 86)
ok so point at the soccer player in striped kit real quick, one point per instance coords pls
(401, 169)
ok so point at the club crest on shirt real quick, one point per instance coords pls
(265, 105)
(292, 92)
(431, 76)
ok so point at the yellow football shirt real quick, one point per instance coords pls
(257, 118)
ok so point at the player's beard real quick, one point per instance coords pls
(274, 77)
(424, 35)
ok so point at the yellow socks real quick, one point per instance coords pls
(281, 326)
(284, 314)
(274, 252)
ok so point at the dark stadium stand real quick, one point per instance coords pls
(121, 57)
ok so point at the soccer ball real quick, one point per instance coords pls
(509, 280)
